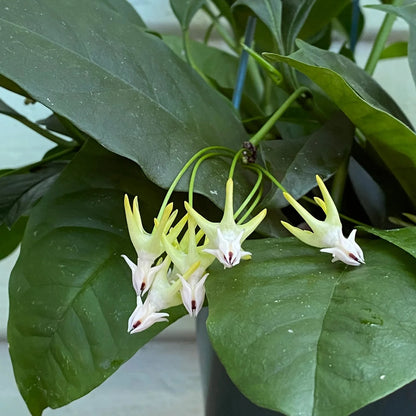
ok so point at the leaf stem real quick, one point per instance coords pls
(380, 40)
(39, 163)
(43, 132)
(220, 29)
(259, 136)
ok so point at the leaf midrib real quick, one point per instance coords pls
(90, 62)
(320, 338)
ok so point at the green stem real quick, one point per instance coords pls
(270, 176)
(380, 40)
(182, 172)
(208, 33)
(252, 206)
(39, 163)
(259, 136)
(43, 132)
(251, 194)
(234, 163)
(194, 171)
(188, 56)
(220, 29)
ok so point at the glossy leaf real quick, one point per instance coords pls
(126, 10)
(366, 104)
(218, 65)
(185, 10)
(295, 162)
(404, 238)
(91, 65)
(321, 14)
(408, 13)
(19, 192)
(371, 196)
(70, 291)
(11, 238)
(295, 332)
(284, 19)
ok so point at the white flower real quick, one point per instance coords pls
(144, 316)
(225, 238)
(326, 234)
(142, 274)
(193, 292)
(162, 295)
(346, 250)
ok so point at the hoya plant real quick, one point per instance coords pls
(267, 176)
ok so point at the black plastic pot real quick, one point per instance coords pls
(222, 398)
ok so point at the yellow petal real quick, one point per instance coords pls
(305, 236)
(332, 216)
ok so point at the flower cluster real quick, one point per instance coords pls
(327, 234)
(169, 270)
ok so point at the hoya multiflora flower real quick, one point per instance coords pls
(162, 295)
(225, 238)
(185, 255)
(326, 234)
(148, 245)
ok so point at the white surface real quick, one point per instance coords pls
(162, 379)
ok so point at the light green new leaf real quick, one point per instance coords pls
(70, 291)
(366, 104)
(119, 84)
(408, 13)
(301, 335)
(395, 50)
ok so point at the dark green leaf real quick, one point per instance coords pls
(295, 162)
(321, 14)
(301, 335)
(125, 9)
(343, 22)
(10, 238)
(95, 68)
(408, 13)
(369, 193)
(11, 86)
(185, 10)
(70, 291)
(283, 18)
(217, 65)
(7, 110)
(19, 192)
(405, 238)
(54, 124)
(366, 104)
(395, 50)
